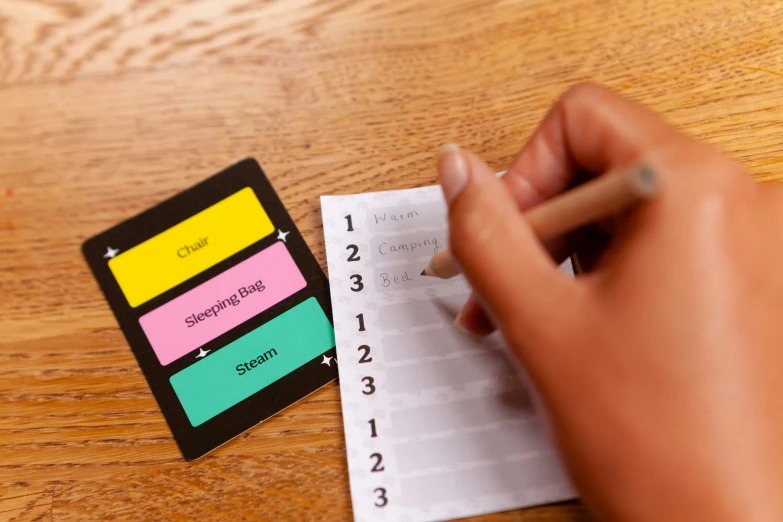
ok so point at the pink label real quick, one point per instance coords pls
(225, 301)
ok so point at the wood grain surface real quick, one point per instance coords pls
(109, 106)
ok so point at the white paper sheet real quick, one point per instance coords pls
(438, 424)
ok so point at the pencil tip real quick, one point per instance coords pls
(424, 272)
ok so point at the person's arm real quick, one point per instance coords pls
(662, 368)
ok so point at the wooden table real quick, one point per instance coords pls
(109, 106)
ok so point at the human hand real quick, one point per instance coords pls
(661, 367)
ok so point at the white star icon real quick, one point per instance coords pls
(282, 235)
(201, 353)
(327, 361)
(111, 252)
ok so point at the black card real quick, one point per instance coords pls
(223, 304)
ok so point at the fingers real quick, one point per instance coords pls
(516, 278)
(590, 129)
(472, 319)
(557, 152)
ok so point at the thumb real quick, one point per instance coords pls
(515, 278)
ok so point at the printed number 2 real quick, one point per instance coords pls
(381, 500)
(365, 358)
(357, 283)
(350, 223)
(354, 250)
(378, 459)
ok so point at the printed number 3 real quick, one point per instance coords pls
(357, 283)
(369, 385)
(381, 500)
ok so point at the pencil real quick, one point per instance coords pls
(592, 201)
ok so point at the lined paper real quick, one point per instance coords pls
(438, 424)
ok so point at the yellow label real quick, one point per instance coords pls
(190, 247)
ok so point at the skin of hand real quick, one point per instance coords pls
(662, 368)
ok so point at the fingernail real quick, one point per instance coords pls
(452, 171)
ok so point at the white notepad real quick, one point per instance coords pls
(438, 424)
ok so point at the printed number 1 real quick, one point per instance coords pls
(350, 223)
(360, 317)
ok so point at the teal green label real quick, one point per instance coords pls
(254, 361)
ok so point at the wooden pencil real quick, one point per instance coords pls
(592, 201)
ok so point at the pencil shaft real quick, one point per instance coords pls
(593, 201)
